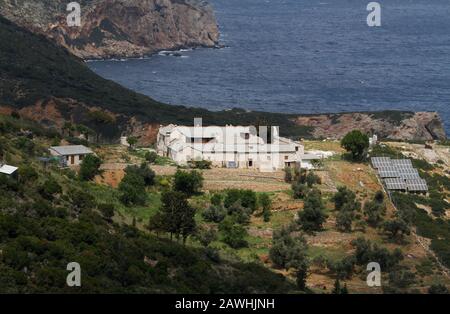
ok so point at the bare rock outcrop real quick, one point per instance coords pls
(119, 28)
(390, 124)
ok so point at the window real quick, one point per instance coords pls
(286, 157)
(296, 148)
(247, 136)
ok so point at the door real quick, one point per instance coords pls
(72, 159)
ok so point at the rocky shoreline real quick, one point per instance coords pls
(175, 52)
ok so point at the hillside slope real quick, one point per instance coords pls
(49, 218)
(47, 83)
(119, 28)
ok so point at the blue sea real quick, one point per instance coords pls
(307, 56)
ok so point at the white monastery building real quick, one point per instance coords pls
(229, 146)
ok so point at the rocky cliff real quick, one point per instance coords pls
(395, 125)
(119, 28)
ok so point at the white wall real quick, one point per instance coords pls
(182, 154)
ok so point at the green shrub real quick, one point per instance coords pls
(200, 164)
(438, 289)
(189, 183)
(266, 204)
(26, 145)
(50, 188)
(246, 198)
(366, 252)
(288, 175)
(233, 233)
(216, 199)
(214, 213)
(206, 235)
(151, 157)
(299, 190)
(90, 167)
(283, 247)
(27, 174)
(343, 196)
(147, 174)
(107, 210)
(343, 268)
(312, 217)
(312, 179)
(132, 189)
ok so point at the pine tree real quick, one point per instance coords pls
(176, 216)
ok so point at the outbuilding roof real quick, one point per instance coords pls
(71, 150)
(6, 169)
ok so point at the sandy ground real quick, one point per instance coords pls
(358, 177)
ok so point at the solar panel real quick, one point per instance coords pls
(388, 173)
(378, 162)
(404, 169)
(388, 168)
(395, 184)
(409, 176)
(417, 185)
(402, 162)
(408, 170)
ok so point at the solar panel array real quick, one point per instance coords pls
(399, 174)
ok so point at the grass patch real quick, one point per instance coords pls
(106, 194)
(334, 254)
